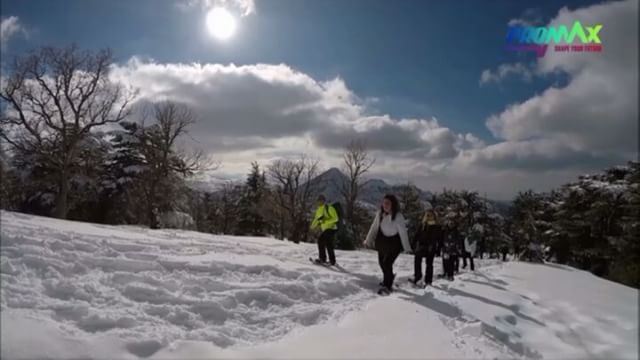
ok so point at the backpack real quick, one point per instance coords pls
(338, 208)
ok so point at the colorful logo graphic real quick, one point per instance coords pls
(537, 39)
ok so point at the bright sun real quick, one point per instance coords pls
(221, 23)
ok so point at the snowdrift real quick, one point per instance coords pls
(78, 290)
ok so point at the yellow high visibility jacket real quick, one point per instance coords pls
(325, 217)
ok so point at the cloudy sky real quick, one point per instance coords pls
(428, 84)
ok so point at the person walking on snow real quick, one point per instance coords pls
(428, 242)
(325, 218)
(388, 235)
(470, 242)
(450, 249)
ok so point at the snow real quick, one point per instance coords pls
(79, 290)
(176, 219)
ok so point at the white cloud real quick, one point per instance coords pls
(240, 7)
(264, 112)
(267, 111)
(591, 119)
(9, 27)
(504, 71)
(530, 17)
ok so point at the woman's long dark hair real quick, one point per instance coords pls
(395, 206)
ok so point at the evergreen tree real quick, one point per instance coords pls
(412, 208)
(251, 220)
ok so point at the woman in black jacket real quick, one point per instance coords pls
(428, 242)
(450, 249)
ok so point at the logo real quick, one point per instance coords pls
(538, 39)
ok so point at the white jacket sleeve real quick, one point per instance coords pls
(373, 230)
(402, 231)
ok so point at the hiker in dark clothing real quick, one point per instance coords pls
(428, 241)
(458, 253)
(450, 249)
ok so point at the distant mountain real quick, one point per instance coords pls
(373, 190)
(329, 182)
(207, 182)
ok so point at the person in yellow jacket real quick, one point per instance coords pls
(325, 218)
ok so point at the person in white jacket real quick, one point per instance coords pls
(470, 243)
(388, 235)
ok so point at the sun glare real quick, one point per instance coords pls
(221, 23)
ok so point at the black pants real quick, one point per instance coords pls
(448, 265)
(389, 248)
(456, 262)
(386, 261)
(467, 255)
(417, 267)
(325, 244)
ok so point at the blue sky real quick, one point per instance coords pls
(403, 59)
(419, 58)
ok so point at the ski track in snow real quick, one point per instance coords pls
(151, 288)
(181, 284)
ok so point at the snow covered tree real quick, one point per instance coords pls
(51, 101)
(11, 188)
(591, 223)
(626, 266)
(412, 208)
(528, 225)
(147, 159)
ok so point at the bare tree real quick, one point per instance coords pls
(163, 162)
(294, 194)
(52, 99)
(228, 208)
(356, 164)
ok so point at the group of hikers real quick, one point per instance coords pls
(436, 235)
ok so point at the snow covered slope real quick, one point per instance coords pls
(78, 290)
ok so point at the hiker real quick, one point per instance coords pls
(388, 235)
(470, 242)
(504, 250)
(325, 218)
(428, 241)
(440, 214)
(450, 249)
(458, 253)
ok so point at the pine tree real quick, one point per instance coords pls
(412, 208)
(251, 220)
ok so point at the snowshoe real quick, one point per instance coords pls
(383, 291)
(318, 262)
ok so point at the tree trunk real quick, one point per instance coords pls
(61, 207)
(151, 214)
